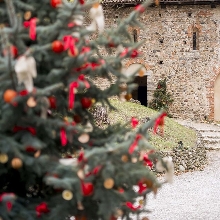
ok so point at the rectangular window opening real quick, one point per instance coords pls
(195, 41)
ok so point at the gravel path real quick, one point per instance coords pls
(192, 196)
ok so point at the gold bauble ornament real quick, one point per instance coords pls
(124, 158)
(145, 218)
(27, 15)
(109, 183)
(67, 195)
(128, 96)
(134, 160)
(37, 154)
(3, 158)
(31, 102)
(84, 138)
(16, 163)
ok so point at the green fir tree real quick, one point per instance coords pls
(161, 98)
(55, 162)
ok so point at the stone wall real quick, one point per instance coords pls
(168, 52)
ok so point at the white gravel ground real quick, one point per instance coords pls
(192, 196)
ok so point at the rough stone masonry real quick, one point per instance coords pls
(182, 43)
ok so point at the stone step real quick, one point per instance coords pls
(211, 140)
(212, 146)
(210, 134)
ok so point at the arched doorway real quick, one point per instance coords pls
(217, 99)
(140, 93)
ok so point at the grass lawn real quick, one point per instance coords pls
(173, 132)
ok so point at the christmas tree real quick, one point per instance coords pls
(55, 162)
(161, 98)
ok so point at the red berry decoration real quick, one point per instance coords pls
(86, 102)
(55, 3)
(77, 118)
(57, 46)
(52, 101)
(87, 188)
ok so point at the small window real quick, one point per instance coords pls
(195, 40)
(135, 37)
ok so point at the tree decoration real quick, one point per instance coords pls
(27, 15)
(87, 188)
(139, 8)
(132, 207)
(134, 144)
(69, 44)
(52, 101)
(32, 28)
(67, 195)
(3, 158)
(16, 163)
(147, 161)
(134, 122)
(55, 3)
(83, 138)
(109, 183)
(25, 69)
(42, 208)
(128, 96)
(97, 16)
(86, 102)
(160, 122)
(9, 95)
(57, 46)
(63, 137)
(31, 102)
(77, 118)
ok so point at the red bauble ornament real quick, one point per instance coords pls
(52, 101)
(82, 2)
(87, 188)
(30, 149)
(77, 118)
(86, 102)
(57, 46)
(55, 3)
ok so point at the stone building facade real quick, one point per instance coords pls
(182, 43)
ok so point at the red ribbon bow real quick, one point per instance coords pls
(42, 208)
(139, 8)
(134, 144)
(134, 122)
(159, 121)
(72, 88)
(32, 25)
(142, 187)
(63, 137)
(75, 85)
(147, 161)
(132, 207)
(69, 43)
